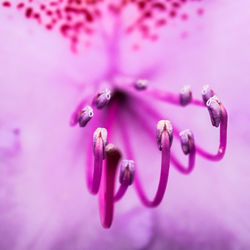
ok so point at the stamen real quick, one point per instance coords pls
(121, 192)
(207, 93)
(187, 141)
(214, 109)
(185, 95)
(164, 133)
(99, 143)
(75, 115)
(223, 139)
(188, 148)
(106, 194)
(223, 129)
(164, 136)
(163, 126)
(102, 98)
(176, 99)
(86, 99)
(85, 116)
(100, 134)
(127, 173)
(141, 84)
(155, 115)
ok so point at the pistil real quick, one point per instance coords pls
(106, 194)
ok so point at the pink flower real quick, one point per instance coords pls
(116, 66)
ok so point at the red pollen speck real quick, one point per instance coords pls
(28, 12)
(6, 4)
(156, 14)
(161, 22)
(159, 6)
(141, 4)
(42, 7)
(175, 5)
(77, 18)
(148, 14)
(172, 14)
(49, 26)
(49, 13)
(20, 5)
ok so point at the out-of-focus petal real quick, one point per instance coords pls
(44, 203)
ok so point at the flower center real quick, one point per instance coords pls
(128, 97)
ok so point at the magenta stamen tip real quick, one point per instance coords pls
(102, 98)
(207, 93)
(214, 109)
(187, 141)
(100, 133)
(127, 172)
(164, 126)
(85, 116)
(141, 84)
(185, 95)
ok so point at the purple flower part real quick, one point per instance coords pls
(141, 84)
(102, 134)
(127, 172)
(164, 126)
(85, 116)
(214, 108)
(102, 98)
(187, 141)
(185, 95)
(44, 202)
(207, 93)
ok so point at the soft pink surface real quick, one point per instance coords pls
(44, 203)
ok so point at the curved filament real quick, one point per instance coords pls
(165, 164)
